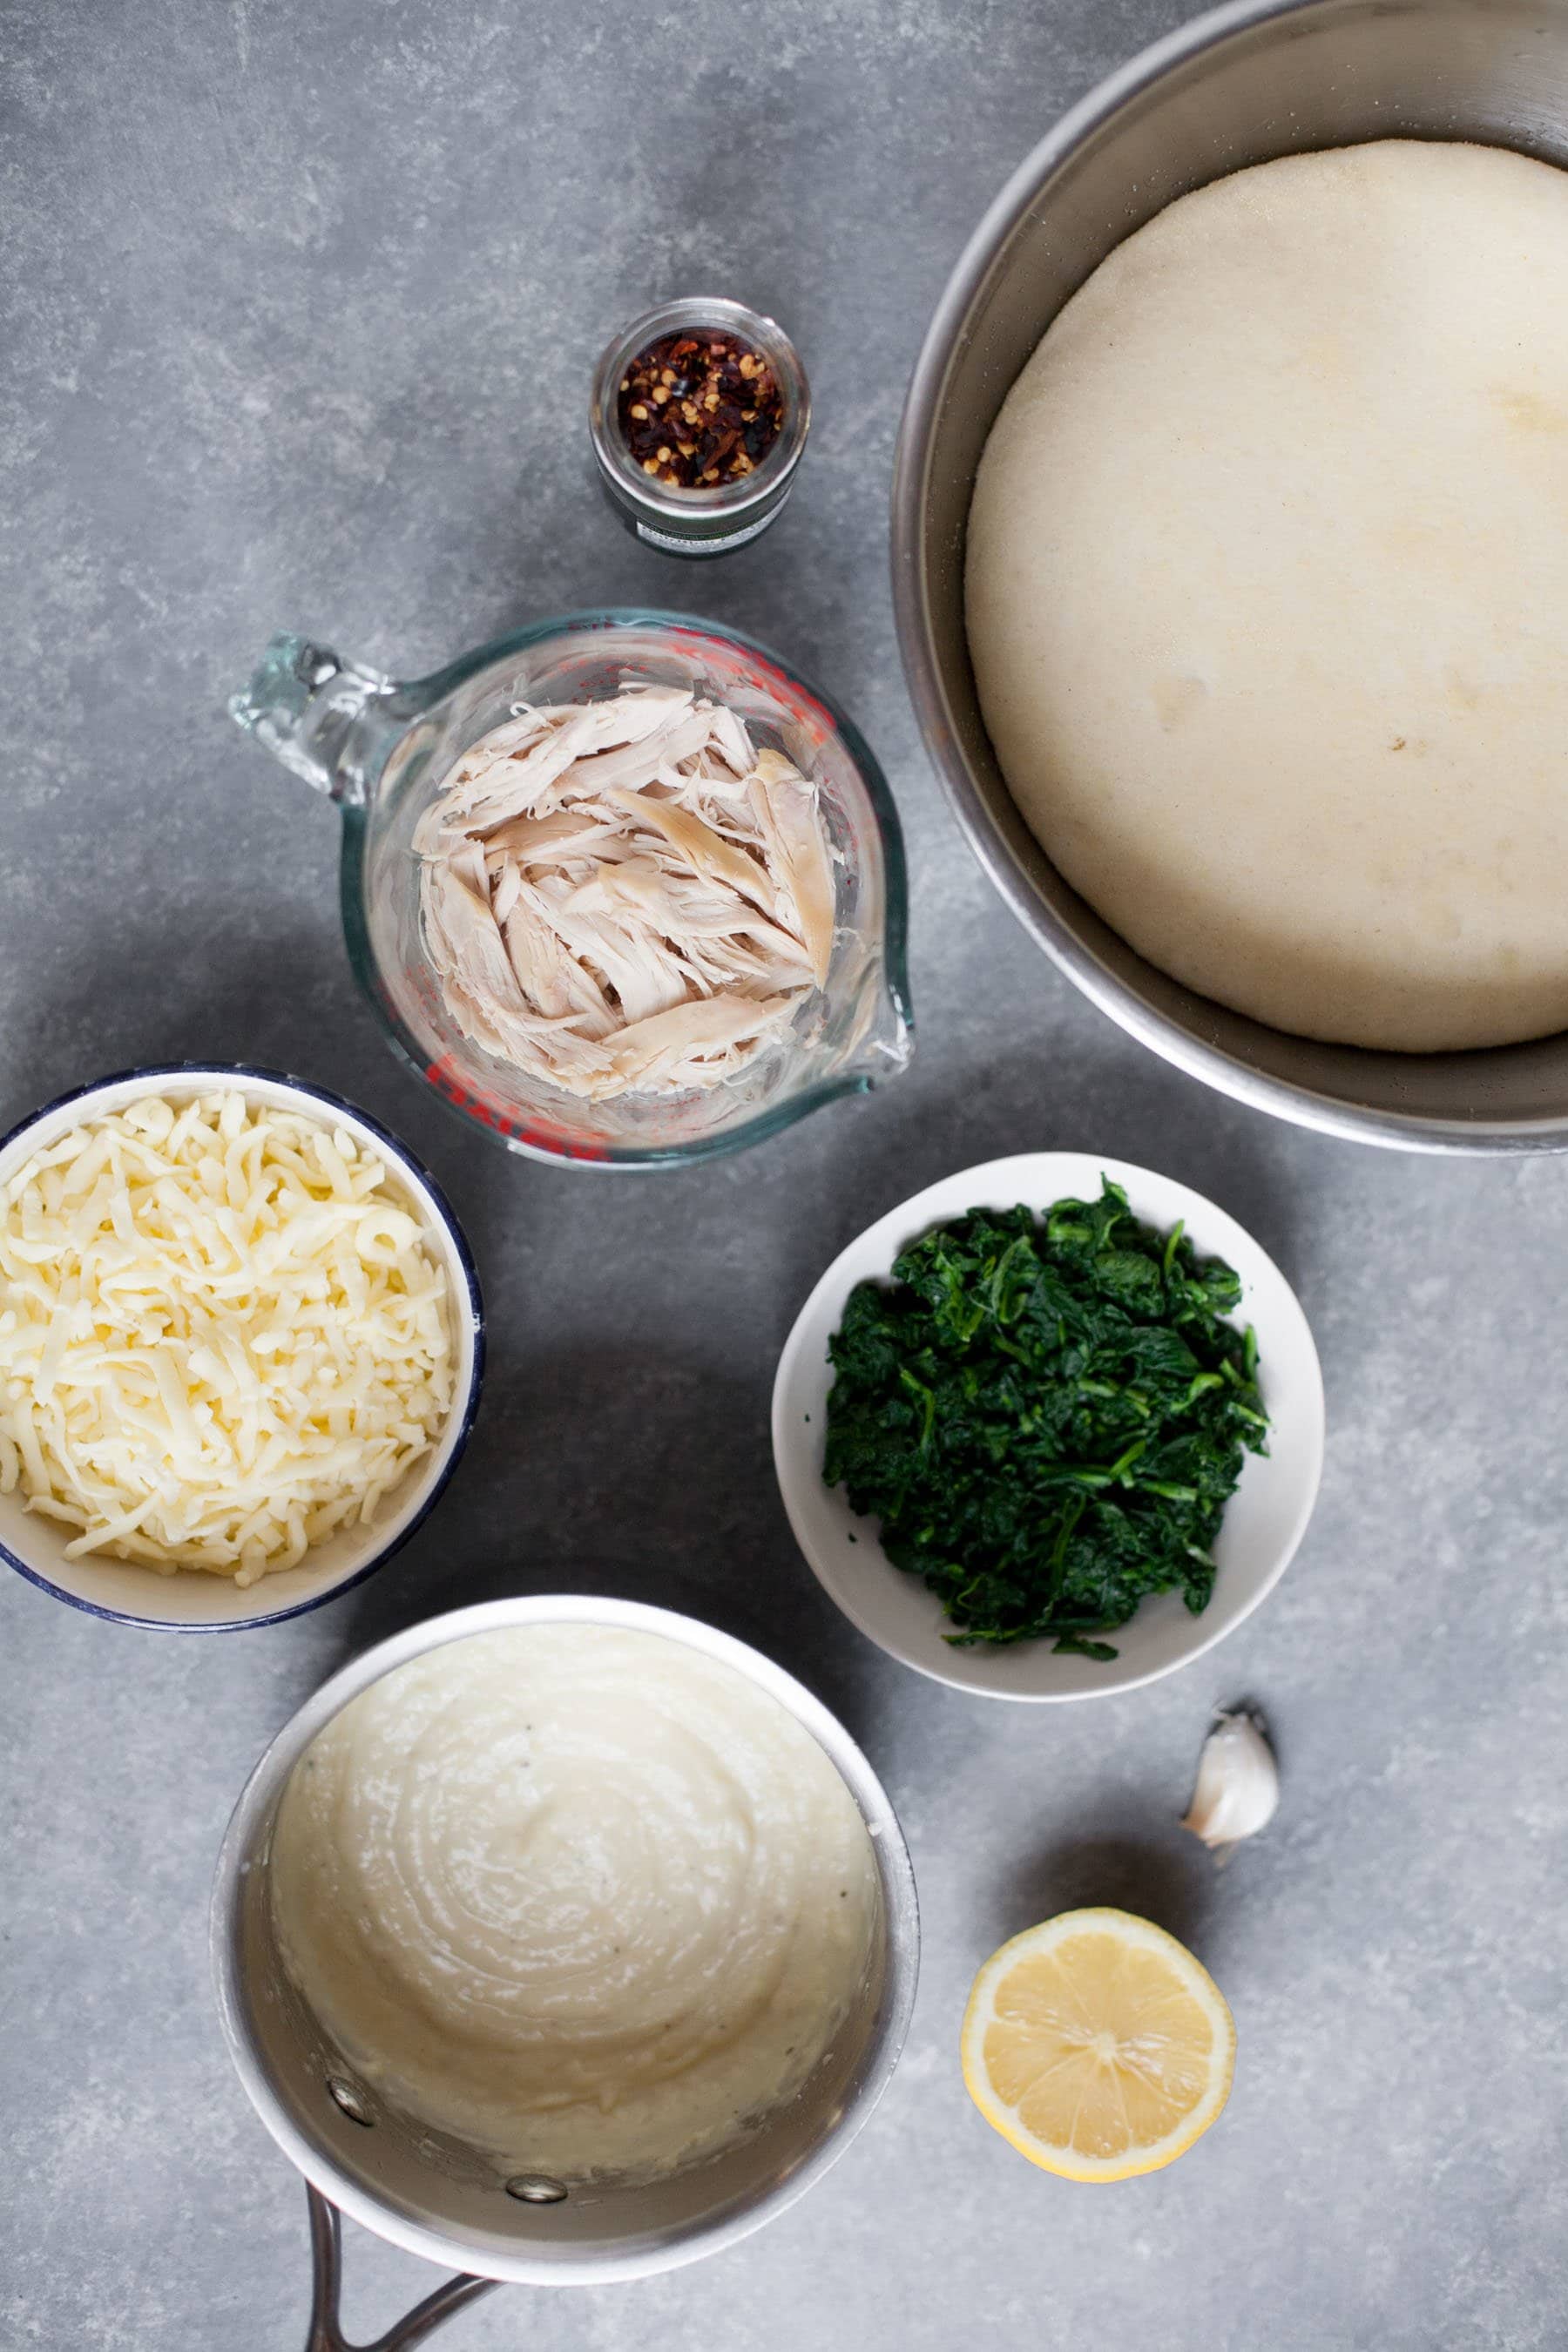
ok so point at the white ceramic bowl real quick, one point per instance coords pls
(191, 1601)
(1263, 1520)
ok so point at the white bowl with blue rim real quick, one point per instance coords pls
(1263, 1520)
(192, 1599)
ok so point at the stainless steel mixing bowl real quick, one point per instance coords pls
(1261, 78)
(443, 2200)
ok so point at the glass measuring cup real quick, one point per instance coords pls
(380, 750)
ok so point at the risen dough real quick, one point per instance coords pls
(581, 1896)
(1268, 593)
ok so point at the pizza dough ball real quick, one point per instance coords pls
(1268, 593)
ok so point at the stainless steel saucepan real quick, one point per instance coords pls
(444, 2200)
(1249, 82)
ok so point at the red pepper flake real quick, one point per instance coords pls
(726, 396)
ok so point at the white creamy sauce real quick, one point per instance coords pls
(583, 1897)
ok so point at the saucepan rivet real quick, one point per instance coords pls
(534, 2189)
(345, 2096)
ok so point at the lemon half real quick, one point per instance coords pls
(1098, 2045)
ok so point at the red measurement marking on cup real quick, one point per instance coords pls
(444, 1077)
(765, 678)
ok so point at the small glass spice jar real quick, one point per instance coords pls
(699, 518)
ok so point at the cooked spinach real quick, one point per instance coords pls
(1048, 1416)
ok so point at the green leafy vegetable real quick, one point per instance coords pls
(1048, 1417)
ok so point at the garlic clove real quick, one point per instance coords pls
(1238, 1791)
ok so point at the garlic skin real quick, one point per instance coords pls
(1238, 1791)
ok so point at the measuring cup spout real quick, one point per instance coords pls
(885, 1042)
(326, 719)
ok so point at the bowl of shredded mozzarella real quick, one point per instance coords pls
(241, 1343)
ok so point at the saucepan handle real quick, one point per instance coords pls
(327, 2266)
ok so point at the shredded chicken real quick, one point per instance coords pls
(626, 895)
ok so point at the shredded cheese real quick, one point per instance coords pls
(222, 1338)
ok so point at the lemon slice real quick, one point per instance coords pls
(1098, 2045)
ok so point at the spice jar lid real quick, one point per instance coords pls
(705, 520)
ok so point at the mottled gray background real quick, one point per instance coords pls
(301, 307)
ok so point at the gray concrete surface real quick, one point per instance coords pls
(300, 304)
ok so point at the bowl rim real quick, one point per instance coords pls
(462, 1421)
(1173, 1040)
(900, 1224)
(895, 1871)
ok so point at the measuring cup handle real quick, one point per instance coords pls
(327, 2267)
